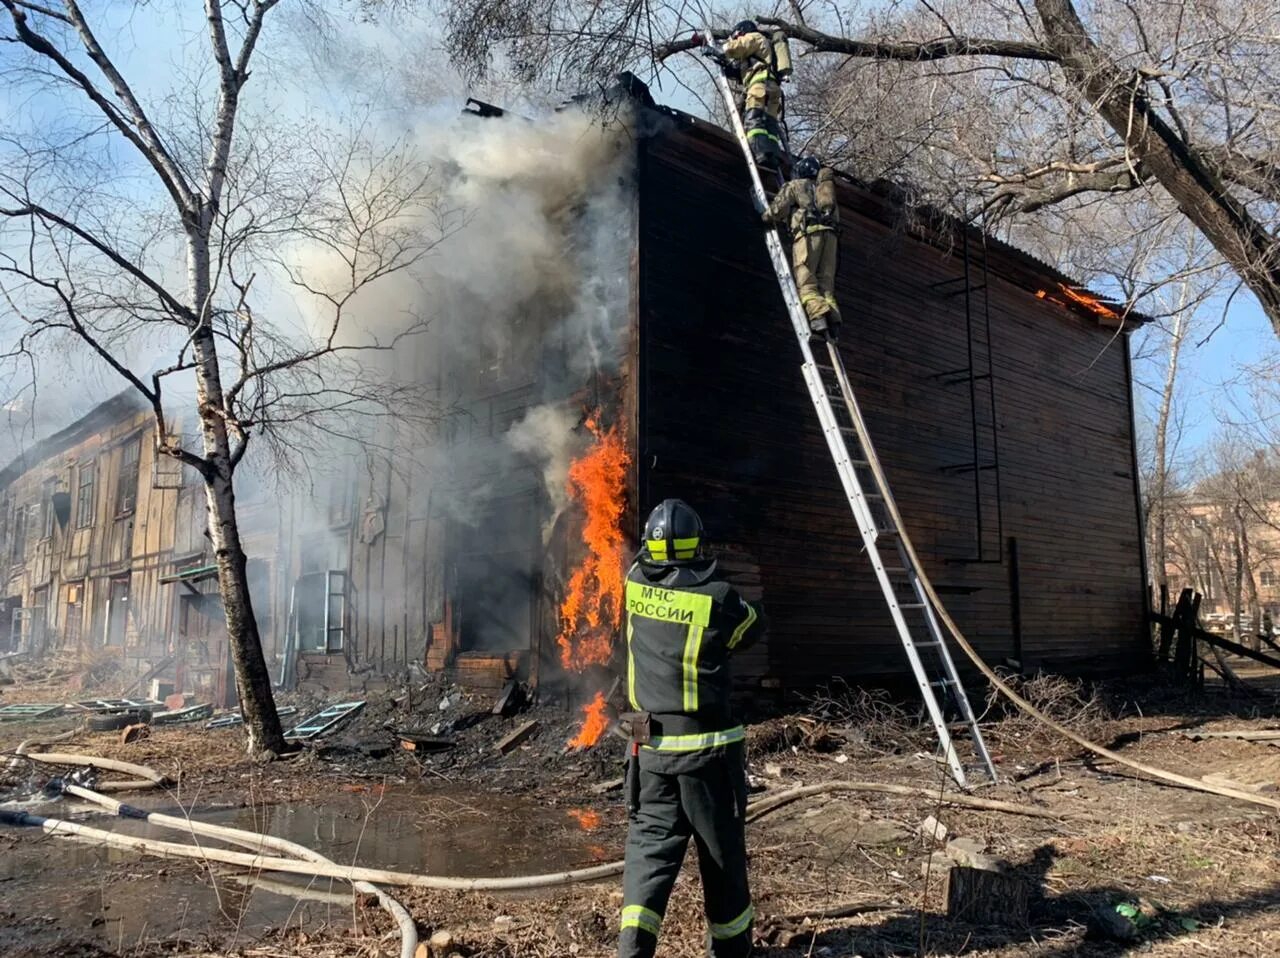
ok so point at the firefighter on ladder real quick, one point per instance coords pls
(686, 777)
(760, 63)
(807, 206)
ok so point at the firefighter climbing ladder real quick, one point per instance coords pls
(909, 606)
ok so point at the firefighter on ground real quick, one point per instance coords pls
(807, 206)
(687, 772)
(761, 63)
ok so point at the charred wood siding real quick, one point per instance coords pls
(726, 423)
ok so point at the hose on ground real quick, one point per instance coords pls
(144, 777)
(20, 753)
(256, 840)
(314, 864)
(763, 806)
(351, 873)
(1160, 774)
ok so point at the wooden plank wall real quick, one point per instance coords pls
(725, 422)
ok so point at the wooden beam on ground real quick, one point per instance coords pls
(516, 737)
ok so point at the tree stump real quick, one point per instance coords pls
(984, 897)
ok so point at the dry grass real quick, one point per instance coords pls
(1071, 702)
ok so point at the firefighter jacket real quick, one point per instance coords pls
(683, 623)
(800, 204)
(755, 53)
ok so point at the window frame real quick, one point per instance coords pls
(134, 442)
(18, 542)
(90, 467)
(47, 520)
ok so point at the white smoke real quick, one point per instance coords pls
(530, 284)
(546, 436)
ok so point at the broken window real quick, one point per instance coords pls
(84, 495)
(73, 617)
(127, 486)
(117, 611)
(46, 510)
(18, 544)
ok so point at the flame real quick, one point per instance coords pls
(1083, 299)
(593, 724)
(588, 819)
(1091, 303)
(591, 611)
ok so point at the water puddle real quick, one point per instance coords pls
(56, 891)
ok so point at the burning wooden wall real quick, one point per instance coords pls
(1011, 454)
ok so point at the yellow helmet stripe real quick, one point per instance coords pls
(684, 548)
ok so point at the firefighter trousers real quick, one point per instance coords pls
(700, 795)
(763, 94)
(761, 110)
(813, 256)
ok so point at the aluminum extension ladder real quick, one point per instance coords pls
(870, 499)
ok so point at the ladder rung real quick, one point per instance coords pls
(926, 645)
(943, 683)
(911, 605)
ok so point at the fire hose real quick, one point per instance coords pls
(237, 836)
(145, 777)
(316, 865)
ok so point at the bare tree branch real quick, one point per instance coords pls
(134, 124)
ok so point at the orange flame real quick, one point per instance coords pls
(593, 725)
(588, 819)
(592, 607)
(1086, 300)
(1091, 303)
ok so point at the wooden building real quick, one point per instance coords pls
(1000, 406)
(106, 555)
(998, 398)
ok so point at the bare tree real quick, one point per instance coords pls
(1224, 531)
(1179, 304)
(182, 224)
(1002, 109)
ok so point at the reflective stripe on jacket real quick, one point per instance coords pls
(682, 625)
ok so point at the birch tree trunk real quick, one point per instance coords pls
(253, 681)
(1160, 490)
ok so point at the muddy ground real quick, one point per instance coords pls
(1202, 872)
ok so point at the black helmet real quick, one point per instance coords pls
(673, 533)
(744, 26)
(807, 168)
